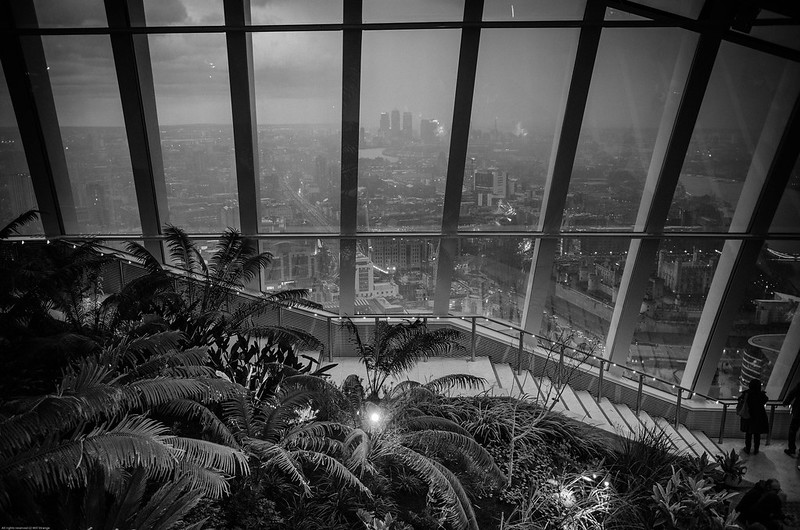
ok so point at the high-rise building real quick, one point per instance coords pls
(384, 122)
(427, 130)
(407, 125)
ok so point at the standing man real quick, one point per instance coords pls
(793, 400)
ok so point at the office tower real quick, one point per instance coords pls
(384, 122)
(407, 125)
(427, 130)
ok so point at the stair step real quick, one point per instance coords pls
(527, 384)
(549, 390)
(634, 423)
(708, 445)
(651, 425)
(571, 400)
(614, 417)
(691, 441)
(590, 405)
(508, 382)
(677, 440)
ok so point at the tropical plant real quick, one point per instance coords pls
(637, 464)
(572, 501)
(199, 300)
(395, 348)
(688, 502)
(731, 468)
(98, 421)
(395, 435)
(50, 288)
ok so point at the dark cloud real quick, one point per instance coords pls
(70, 13)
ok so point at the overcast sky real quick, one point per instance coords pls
(522, 77)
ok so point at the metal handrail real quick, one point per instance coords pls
(604, 364)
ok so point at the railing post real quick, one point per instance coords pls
(330, 338)
(722, 423)
(280, 317)
(678, 407)
(639, 394)
(771, 422)
(519, 353)
(474, 340)
(560, 365)
(600, 381)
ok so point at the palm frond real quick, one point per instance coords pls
(434, 423)
(462, 381)
(150, 263)
(158, 364)
(153, 392)
(285, 334)
(443, 442)
(18, 222)
(167, 505)
(186, 409)
(443, 486)
(238, 412)
(274, 456)
(182, 248)
(334, 469)
(252, 267)
(226, 254)
(209, 455)
(134, 441)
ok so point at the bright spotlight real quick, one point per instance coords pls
(375, 417)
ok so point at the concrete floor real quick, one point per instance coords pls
(771, 462)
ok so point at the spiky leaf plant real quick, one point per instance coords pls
(105, 415)
(395, 347)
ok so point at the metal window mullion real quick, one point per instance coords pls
(351, 101)
(764, 186)
(459, 140)
(669, 152)
(558, 178)
(138, 100)
(243, 113)
(25, 68)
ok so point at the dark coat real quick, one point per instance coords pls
(758, 422)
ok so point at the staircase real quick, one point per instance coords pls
(580, 405)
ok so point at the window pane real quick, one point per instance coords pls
(788, 36)
(585, 282)
(489, 277)
(740, 92)
(787, 216)
(296, 12)
(16, 189)
(635, 71)
(184, 13)
(618, 14)
(670, 312)
(686, 8)
(763, 319)
(394, 275)
(193, 100)
(304, 264)
(538, 10)
(70, 13)
(89, 112)
(407, 96)
(298, 81)
(413, 10)
(520, 91)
